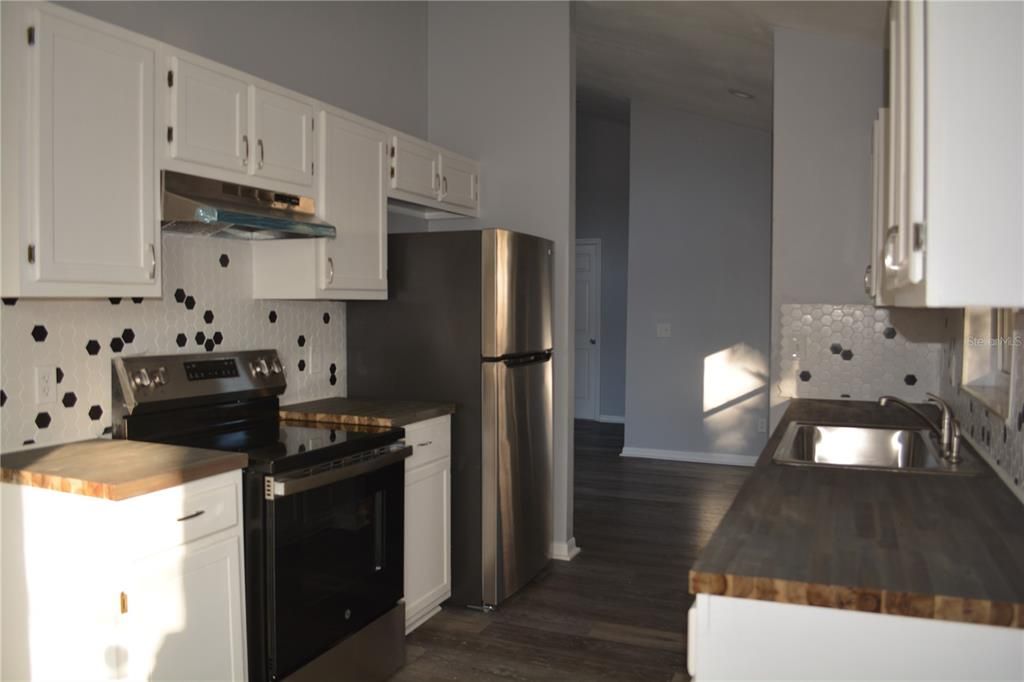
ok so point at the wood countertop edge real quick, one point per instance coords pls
(116, 491)
(866, 599)
(365, 420)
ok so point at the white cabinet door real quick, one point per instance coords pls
(427, 540)
(415, 168)
(183, 616)
(353, 198)
(92, 107)
(209, 116)
(283, 132)
(458, 181)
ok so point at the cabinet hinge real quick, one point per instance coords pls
(312, 123)
(31, 35)
(170, 79)
(170, 133)
(268, 488)
(392, 171)
(312, 168)
(392, 151)
(31, 254)
(124, 603)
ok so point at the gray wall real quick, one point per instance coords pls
(501, 91)
(699, 259)
(365, 57)
(827, 93)
(602, 212)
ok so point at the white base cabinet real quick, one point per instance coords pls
(428, 572)
(746, 639)
(145, 588)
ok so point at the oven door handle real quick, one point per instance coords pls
(282, 487)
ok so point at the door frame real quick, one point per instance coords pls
(596, 378)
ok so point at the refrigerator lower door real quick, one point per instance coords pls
(516, 474)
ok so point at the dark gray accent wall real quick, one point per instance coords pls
(699, 261)
(602, 212)
(365, 57)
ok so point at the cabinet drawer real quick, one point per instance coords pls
(179, 515)
(431, 440)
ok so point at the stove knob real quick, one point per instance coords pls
(160, 376)
(275, 366)
(141, 378)
(254, 369)
(264, 368)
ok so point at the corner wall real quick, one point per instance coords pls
(501, 91)
(699, 244)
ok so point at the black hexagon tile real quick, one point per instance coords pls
(208, 317)
(889, 333)
(190, 302)
(39, 333)
(180, 340)
(115, 301)
(92, 347)
(116, 344)
(846, 354)
(137, 300)
(179, 295)
(910, 380)
(805, 375)
(200, 338)
(3, 397)
(128, 335)
(218, 338)
(42, 420)
(69, 399)
(10, 301)
(301, 340)
(836, 349)
(209, 345)
(327, 318)
(224, 260)
(95, 412)
(60, 375)
(272, 316)
(302, 365)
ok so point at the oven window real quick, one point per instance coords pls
(335, 557)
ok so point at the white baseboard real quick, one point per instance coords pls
(564, 551)
(698, 457)
(611, 419)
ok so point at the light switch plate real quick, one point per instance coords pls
(46, 384)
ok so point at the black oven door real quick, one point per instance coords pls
(334, 559)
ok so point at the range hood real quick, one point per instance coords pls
(202, 206)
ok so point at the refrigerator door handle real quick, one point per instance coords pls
(527, 359)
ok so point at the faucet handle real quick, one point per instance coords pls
(943, 405)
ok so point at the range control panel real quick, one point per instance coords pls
(194, 378)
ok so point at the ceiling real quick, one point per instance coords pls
(689, 54)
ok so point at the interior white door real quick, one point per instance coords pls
(184, 617)
(283, 128)
(210, 116)
(354, 200)
(93, 109)
(415, 168)
(588, 328)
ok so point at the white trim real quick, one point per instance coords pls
(611, 419)
(564, 551)
(698, 457)
(596, 276)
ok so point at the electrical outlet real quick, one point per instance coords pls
(314, 357)
(762, 425)
(46, 384)
(663, 330)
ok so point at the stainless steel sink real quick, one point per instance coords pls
(867, 447)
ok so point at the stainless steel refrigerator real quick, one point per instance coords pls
(468, 319)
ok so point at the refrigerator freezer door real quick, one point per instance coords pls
(516, 475)
(516, 296)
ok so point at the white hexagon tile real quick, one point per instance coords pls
(207, 306)
(858, 352)
(1000, 438)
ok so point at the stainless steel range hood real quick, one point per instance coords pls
(202, 206)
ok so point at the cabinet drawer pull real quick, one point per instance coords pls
(444, 185)
(192, 515)
(889, 255)
(867, 280)
(259, 146)
(152, 264)
(330, 271)
(423, 445)
(245, 141)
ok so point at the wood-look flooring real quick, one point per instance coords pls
(616, 612)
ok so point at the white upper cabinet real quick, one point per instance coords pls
(283, 130)
(354, 200)
(209, 116)
(414, 168)
(79, 167)
(459, 178)
(954, 221)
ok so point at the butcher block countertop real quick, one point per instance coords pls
(913, 544)
(365, 412)
(114, 469)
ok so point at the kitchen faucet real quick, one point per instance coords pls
(948, 433)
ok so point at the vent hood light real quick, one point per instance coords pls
(202, 206)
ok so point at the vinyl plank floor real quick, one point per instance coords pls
(616, 612)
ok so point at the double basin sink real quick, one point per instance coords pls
(869, 447)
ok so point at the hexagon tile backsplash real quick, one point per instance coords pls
(207, 306)
(859, 352)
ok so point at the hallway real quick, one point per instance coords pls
(616, 612)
